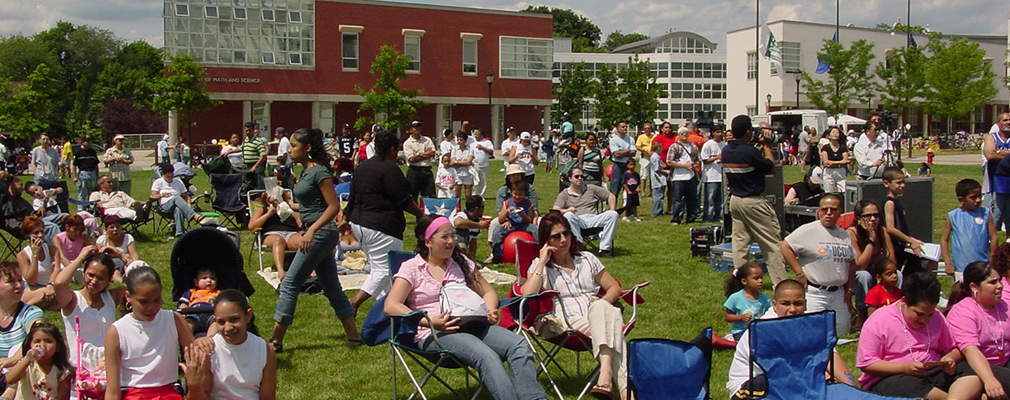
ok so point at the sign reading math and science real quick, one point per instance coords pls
(231, 80)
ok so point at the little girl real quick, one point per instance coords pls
(631, 181)
(886, 291)
(445, 179)
(44, 371)
(142, 347)
(924, 170)
(243, 365)
(744, 298)
(73, 238)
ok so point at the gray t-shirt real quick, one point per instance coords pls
(825, 254)
(309, 197)
(586, 203)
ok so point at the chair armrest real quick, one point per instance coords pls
(631, 296)
(534, 299)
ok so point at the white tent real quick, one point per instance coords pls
(845, 120)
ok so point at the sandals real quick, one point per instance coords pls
(602, 391)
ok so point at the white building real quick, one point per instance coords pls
(800, 42)
(692, 75)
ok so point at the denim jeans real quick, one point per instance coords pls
(180, 210)
(320, 259)
(713, 202)
(685, 200)
(658, 196)
(87, 182)
(617, 177)
(1002, 203)
(485, 351)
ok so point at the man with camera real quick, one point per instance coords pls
(746, 160)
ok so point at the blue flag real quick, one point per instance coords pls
(823, 66)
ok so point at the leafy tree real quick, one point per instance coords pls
(183, 90)
(901, 81)
(386, 98)
(19, 56)
(849, 78)
(584, 33)
(638, 83)
(573, 93)
(27, 110)
(958, 78)
(617, 39)
(610, 99)
(125, 90)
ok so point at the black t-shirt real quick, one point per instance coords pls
(379, 195)
(835, 155)
(86, 159)
(748, 180)
(807, 197)
(345, 146)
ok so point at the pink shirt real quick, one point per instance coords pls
(884, 339)
(424, 289)
(71, 248)
(971, 325)
(1006, 290)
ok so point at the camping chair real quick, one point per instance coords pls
(252, 197)
(664, 369)
(11, 243)
(145, 214)
(226, 199)
(63, 198)
(794, 353)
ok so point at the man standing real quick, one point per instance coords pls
(118, 159)
(622, 148)
(46, 161)
(821, 255)
(684, 160)
(482, 149)
(644, 146)
(803, 148)
(161, 150)
(347, 143)
(283, 144)
(711, 176)
(870, 152)
(420, 151)
(580, 204)
(995, 147)
(753, 217)
(84, 169)
(511, 140)
(254, 155)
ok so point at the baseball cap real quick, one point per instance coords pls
(525, 136)
(817, 176)
(510, 129)
(117, 137)
(415, 124)
(347, 126)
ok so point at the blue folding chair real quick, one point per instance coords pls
(794, 353)
(664, 369)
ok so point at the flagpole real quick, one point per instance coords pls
(837, 37)
(757, 58)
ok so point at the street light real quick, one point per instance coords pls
(490, 108)
(768, 105)
(798, 73)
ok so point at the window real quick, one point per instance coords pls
(210, 11)
(240, 13)
(267, 57)
(239, 56)
(295, 17)
(790, 57)
(295, 58)
(349, 50)
(752, 61)
(527, 57)
(469, 57)
(182, 10)
(268, 15)
(412, 49)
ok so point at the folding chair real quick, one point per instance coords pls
(794, 353)
(226, 198)
(11, 243)
(252, 197)
(664, 369)
(590, 237)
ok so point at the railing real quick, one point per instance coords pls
(142, 141)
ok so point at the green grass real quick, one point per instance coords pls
(685, 296)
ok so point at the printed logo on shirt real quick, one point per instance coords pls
(979, 221)
(835, 253)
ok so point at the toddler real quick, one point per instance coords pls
(630, 184)
(744, 298)
(202, 295)
(468, 223)
(924, 170)
(886, 291)
(445, 178)
(44, 371)
(516, 214)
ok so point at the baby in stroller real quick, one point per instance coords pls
(204, 262)
(200, 301)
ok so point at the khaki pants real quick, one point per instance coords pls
(754, 220)
(604, 325)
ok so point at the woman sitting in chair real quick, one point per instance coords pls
(480, 343)
(279, 235)
(580, 278)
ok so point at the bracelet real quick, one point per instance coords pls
(538, 273)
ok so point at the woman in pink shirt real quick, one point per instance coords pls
(976, 322)
(906, 349)
(481, 344)
(1000, 260)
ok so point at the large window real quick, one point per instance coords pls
(349, 50)
(752, 65)
(412, 49)
(469, 57)
(790, 57)
(526, 57)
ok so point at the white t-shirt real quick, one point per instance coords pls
(507, 145)
(462, 155)
(445, 177)
(446, 146)
(712, 172)
(825, 254)
(525, 159)
(480, 157)
(462, 214)
(238, 369)
(167, 189)
(234, 158)
(125, 248)
(804, 144)
(282, 148)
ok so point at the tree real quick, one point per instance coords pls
(386, 98)
(958, 78)
(584, 33)
(638, 83)
(183, 90)
(575, 87)
(610, 101)
(848, 79)
(125, 91)
(27, 110)
(902, 83)
(617, 39)
(19, 56)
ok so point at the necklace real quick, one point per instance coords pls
(904, 328)
(1000, 342)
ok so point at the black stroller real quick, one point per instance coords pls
(210, 248)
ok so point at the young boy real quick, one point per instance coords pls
(516, 214)
(202, 295)
(630, 184)
(282, 171)
(790, 299)
(445, 178)
(468, 223)
(658, 177)
(43, 199)
(971, 227)
(897, 227)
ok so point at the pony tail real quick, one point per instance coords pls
(958, 291)
(733, 283)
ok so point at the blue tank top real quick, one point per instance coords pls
(969, 236)
(990, 166)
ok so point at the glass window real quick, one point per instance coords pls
(412, 49)
(295, 58)
(267, 57)
(240, 13)
(790, 57)
(470, 57)
(210, 11)
(182, 10)
(751, 65)
(268, 15)
(527, 57)
(349, 51)
(295, 17)
(239, 56)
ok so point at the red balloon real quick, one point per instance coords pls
(509, 245)
(607, 171)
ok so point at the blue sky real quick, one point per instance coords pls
(141, 19)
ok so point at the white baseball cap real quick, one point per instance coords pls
(525, 136)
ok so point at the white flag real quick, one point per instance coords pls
(773, 52)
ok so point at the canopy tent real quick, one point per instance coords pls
(845, 120)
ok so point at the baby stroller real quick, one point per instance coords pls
(212, 248)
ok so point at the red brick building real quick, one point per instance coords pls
(296, 63)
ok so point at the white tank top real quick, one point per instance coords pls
(45, 265)
(149, 351)
(232, 382)
(94, 323)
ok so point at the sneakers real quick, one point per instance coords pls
(637, 219)
(625, 219)
(605, 254)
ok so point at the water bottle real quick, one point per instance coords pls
(35, 353)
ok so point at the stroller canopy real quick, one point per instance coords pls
(207, 248)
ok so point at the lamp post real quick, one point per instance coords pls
(490, 108)
(768, 105)
(797, 89)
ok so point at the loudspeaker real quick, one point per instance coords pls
(774, 193)
(917, 202)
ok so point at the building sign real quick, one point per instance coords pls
(231, 80)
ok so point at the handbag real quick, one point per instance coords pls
(465, 304)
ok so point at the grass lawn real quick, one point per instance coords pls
(685, 296)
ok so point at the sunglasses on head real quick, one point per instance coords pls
(558, 235)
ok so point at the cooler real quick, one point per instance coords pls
(721, 257)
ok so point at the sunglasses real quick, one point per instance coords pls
(829, 209)
(557, 236)
(871, 215)
(576, 176)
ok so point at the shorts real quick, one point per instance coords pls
(283, 234)
(166, 392)
(422, 181)
(917, 386)
(756, 387)
(464, 179)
